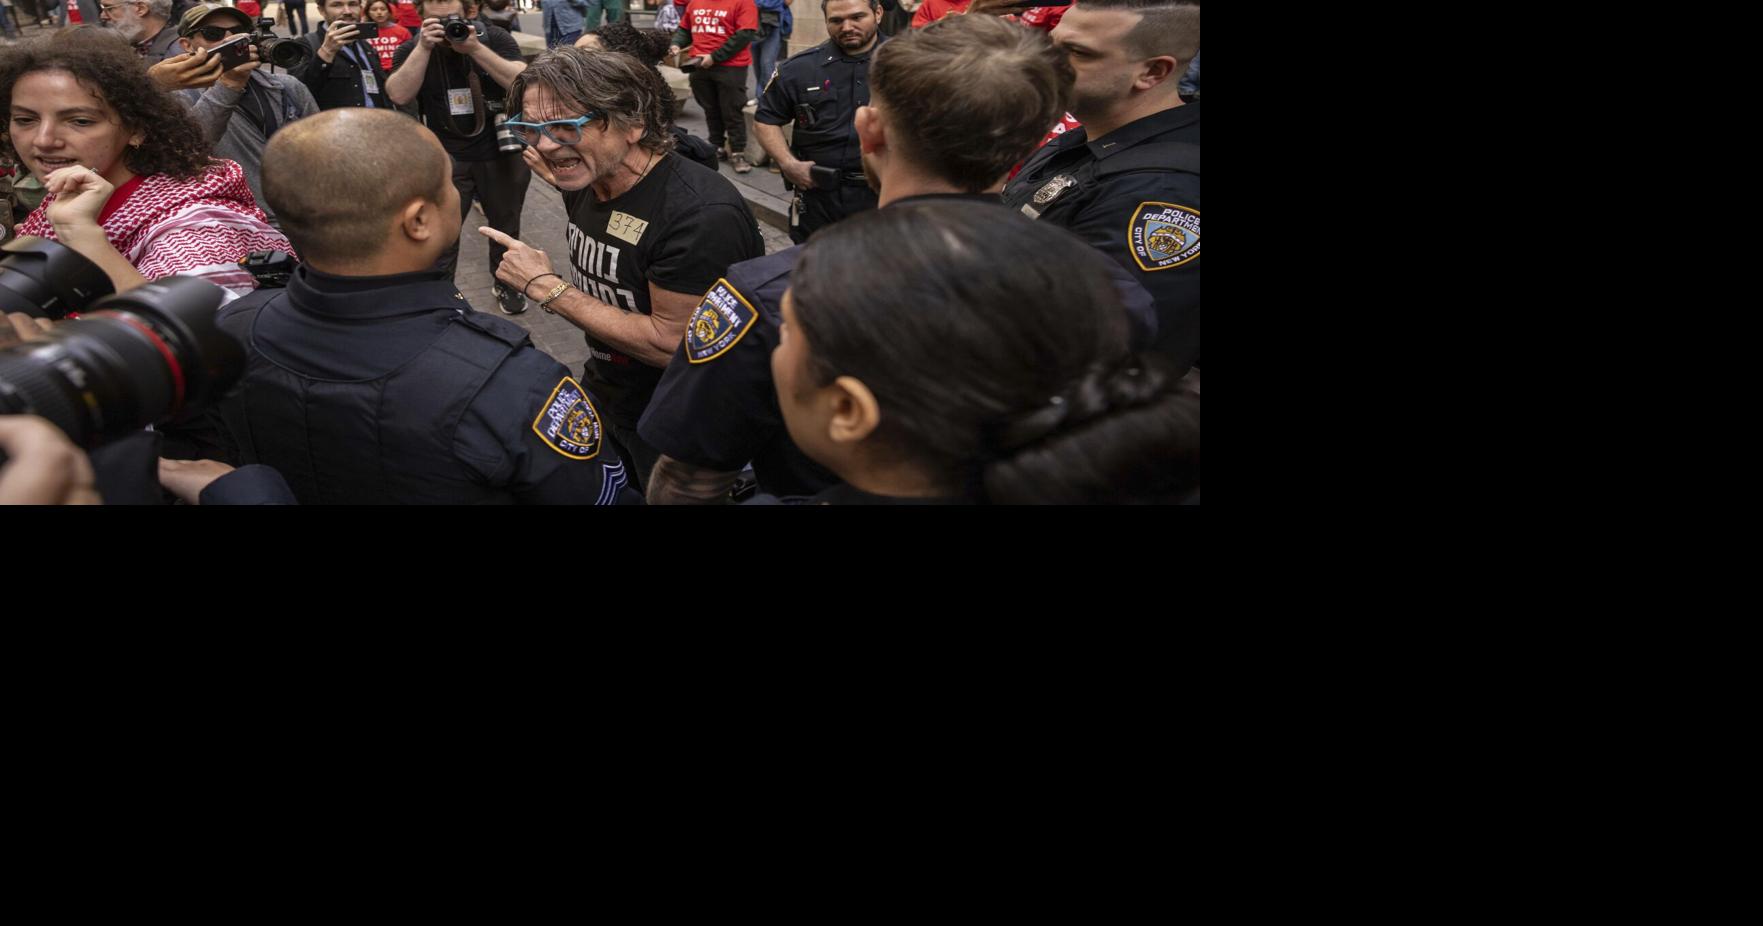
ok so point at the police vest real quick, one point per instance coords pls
(386, 441)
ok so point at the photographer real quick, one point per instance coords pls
(369, 379)
(246, 105)
(458, 84)
(343, 71)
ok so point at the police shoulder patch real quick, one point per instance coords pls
(569, 423)
(1163, 235)
(720, 321)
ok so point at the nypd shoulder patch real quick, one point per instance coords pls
(719, 322)
(569, 423)
(1163, 235)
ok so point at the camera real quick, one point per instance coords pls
(506, 141)
(366, 29)
(458, 28)
(271, 269)
(150, 356)
(44, 279)
(283, 53)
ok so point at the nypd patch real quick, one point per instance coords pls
(1163, 235)
(718, 323)
(569, 422)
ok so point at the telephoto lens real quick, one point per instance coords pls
(46, 279)
(152, 355)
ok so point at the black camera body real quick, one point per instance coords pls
(459, 29)
(366, 29)
(153, 355)
(283, 53)
(271, 269)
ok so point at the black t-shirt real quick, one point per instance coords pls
(447, 71)
(679, 228)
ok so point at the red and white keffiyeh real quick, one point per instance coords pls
(199, 227)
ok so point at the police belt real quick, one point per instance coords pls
(846, 178)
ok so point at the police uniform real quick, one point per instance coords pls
(392, 390)
(1135, 195)
(716, 407)
(819, 90)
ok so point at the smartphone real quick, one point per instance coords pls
(367, 30)
(825, 178)
(233, 52)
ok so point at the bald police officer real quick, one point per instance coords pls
(370, 379)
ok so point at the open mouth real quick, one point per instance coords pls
(560, 166)
(52, 164)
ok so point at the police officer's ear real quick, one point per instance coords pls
(854, 411)
(419, 219)
(1154, 71)
(872, 131)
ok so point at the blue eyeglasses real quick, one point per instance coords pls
(564, 132)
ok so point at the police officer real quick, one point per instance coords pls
(930, 136)
(370, 379)
(1128, 182)
(820, 90)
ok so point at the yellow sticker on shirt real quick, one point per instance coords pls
(626, 227)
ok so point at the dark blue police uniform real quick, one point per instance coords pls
(1134, 195)
(716, 406)
(819, 90)
(392, 390)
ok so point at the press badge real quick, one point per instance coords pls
(459, 102)
(368, 81)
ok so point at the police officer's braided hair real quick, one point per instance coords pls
(970, 96)
(628, 92)
(1090, 446)
(996, 348)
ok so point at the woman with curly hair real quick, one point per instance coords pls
(130, 182)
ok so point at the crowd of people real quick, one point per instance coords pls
(993, 297)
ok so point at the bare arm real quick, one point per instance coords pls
(678, 483)
(406, 82)
(651, 339)
(500, 69)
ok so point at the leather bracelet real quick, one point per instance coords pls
(546, 305)
(541, 276)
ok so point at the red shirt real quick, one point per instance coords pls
(405, 14)
(386, 45)
(714, 22)
(932, 10)
(250, 8)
